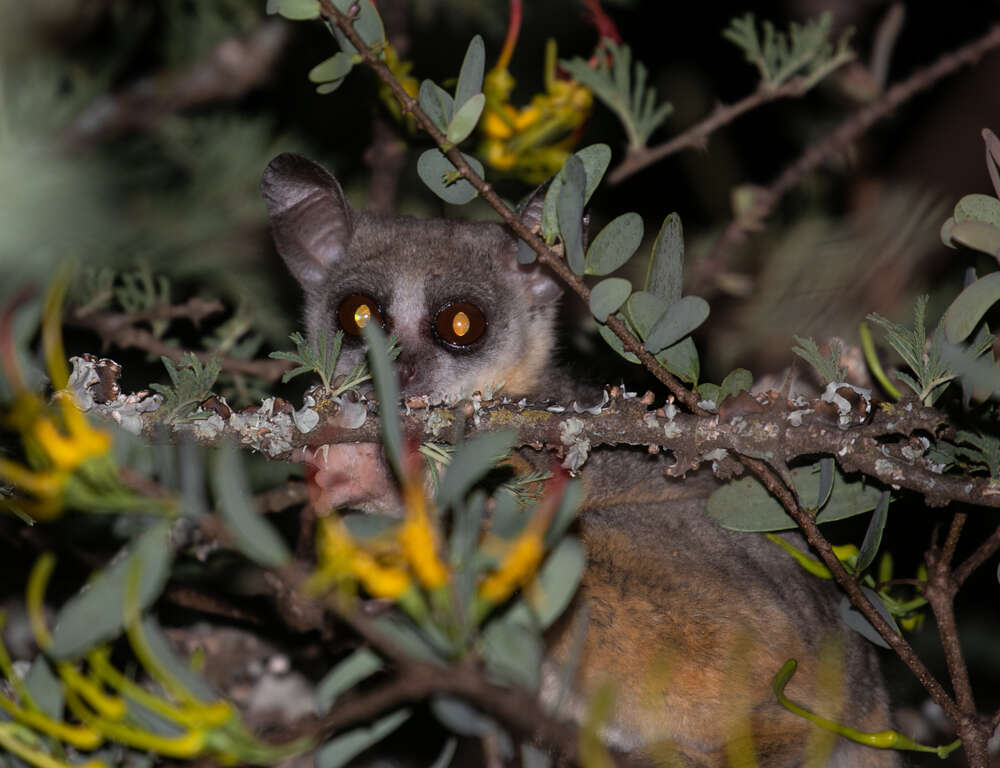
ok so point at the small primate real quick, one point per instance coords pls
(689, 621)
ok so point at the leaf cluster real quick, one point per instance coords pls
(633, 103)
(191, 382)
(804, 50)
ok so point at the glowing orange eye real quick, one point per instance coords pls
(356, 311)
(459, 324)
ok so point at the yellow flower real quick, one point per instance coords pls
(383, 581)
(417, 537)
(517, 569)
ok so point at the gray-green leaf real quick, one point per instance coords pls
(254, 536)
(873, 536)
(387, 391)
(470, 77)
(360, 665)
(513, 654)
(336, 67)
(681, 318)
(965, 312)
(570, 212)
(607, 296)
(471, 461)
(437, 103)
(345, 747)
(295, 10)
(665, 273)
(464, 121)
(441, 178)
(615, 244)
(558, 579)
(595, 159)
(856, 620)
(96, 613)
(745, 505)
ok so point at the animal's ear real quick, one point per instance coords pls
(310, 218)
(543, 285)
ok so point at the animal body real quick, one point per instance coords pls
(689, 621)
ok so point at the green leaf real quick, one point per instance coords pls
(607, 296)
(179, 669)
(569, 209)
(644, 310)
(441, 177)
(437, 103)
(465, 720)
(856, 621)
(745, 505)
(967, 310)
(827, 366)
(977, 235)
(407, 637)
(615, 244)
(827, 472)
(665, 273)
(595, 159)
(467, 521)
(873, 536)
(470, 77)
(45, 688)
(513, 654)
(368, 25)
(254, 536)
(345, 747)
(192, 382)
(360, 665)
(387, 391)
(336, 67)
(557, 582)
(682, 360)
(295, 10)
(681, 318)
(470, 462)
(635, 107)
(96, 613)
(464, 121)
(569, 503)
(977, 207)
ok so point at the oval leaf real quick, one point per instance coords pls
(464, 121)
(437, 103)
(615, 244)
(745, 505)
(295, 10)
(387, 391)
(978, 208)
(607, 296)
(873, 536)
(437, 171)
(967, 310)
(336, 67)
(826, 474)
(470, 462)
(345, 747)
(360, 665)
(254, 536)
(977, 235)
(665, 273)
(644, 310)
(682, 360)
(680, 319)
(570, 212)
(95, 614)
(513, 654)
(470, 77)
(595, 159)
(856, 621)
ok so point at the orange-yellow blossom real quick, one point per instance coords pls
(418, 538)
(340, 558)
(518, 567)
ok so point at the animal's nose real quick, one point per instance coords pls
(407, 369)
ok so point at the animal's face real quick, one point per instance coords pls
(467, 317)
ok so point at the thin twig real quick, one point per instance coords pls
(697, 135)
(983, 552)
(765, 200)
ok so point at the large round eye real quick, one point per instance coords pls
(356, 311)
(459, 324)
